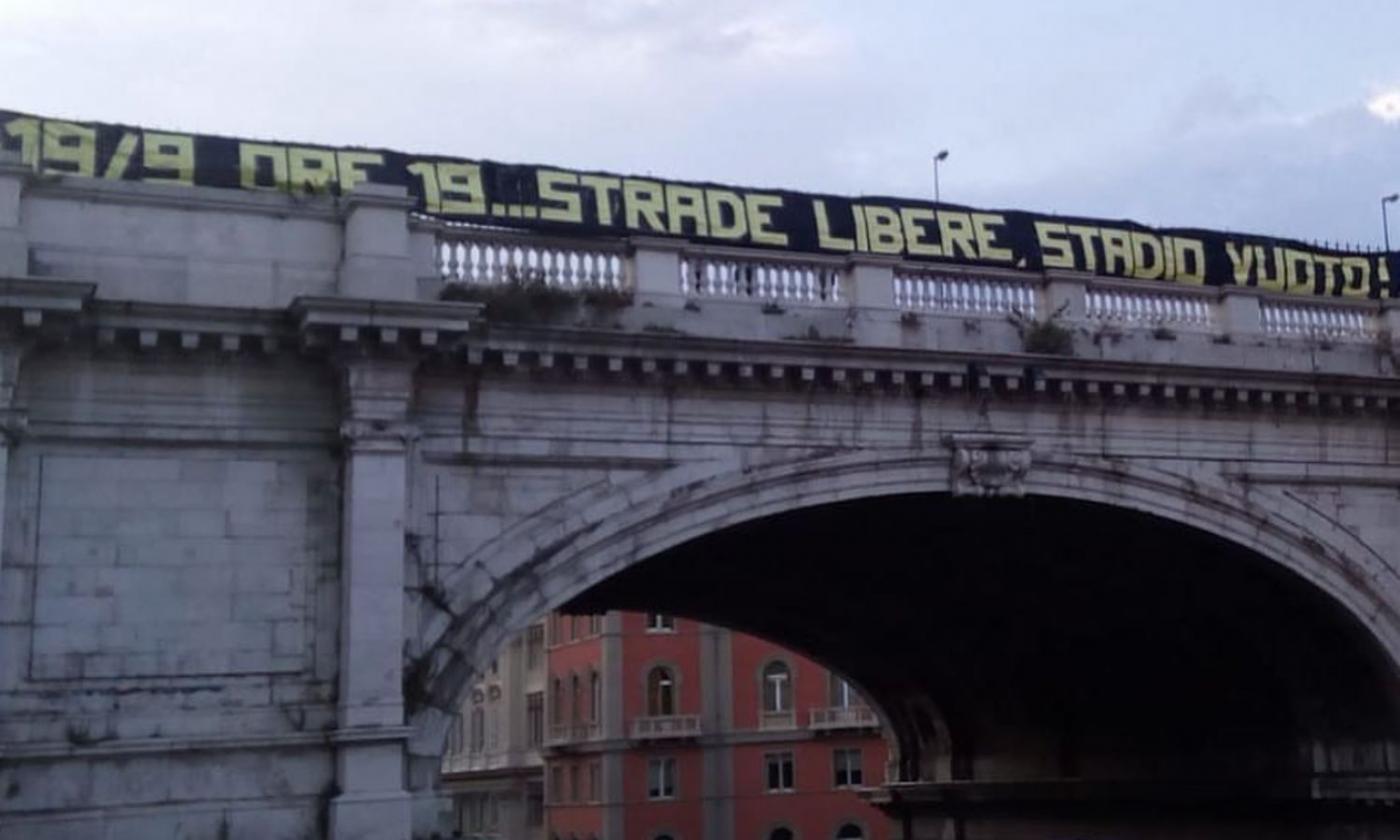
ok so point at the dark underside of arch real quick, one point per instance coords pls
(1049, 639)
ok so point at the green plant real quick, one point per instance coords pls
(607, 298)
(523, 297)
(1048, 337)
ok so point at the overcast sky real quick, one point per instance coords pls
(1265, 116)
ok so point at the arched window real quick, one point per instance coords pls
(781, 833)
(478, 733)
(557, 715)
(575, 699)
(777, 687)
(850, 831)
(661, 691)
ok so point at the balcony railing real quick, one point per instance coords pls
(564, 734)
(843, 717)
(466, 255)
(777, 720)
(656, 727)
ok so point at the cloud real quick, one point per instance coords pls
(1385, 105)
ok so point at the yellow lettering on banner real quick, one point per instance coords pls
(914, 219)
(760, 207)
(1298, 282)
(603, 187)
(432, 193)
(169, 153)
(72, 144)
(1086, 236)
(1241, 260)
(643, 200)
(310, 169)
(862, 238)
(683, 203)
(27, 130)
(1356, 276)
(1195, 251)
(1263, 279)
(824, 237)
(1326, 267)
(463, 192)
(986, 237)
(251, 154)
(553, 187)
(1383, 272)
(886, 234)
(121, 156)
(1147, 256)
(1055, 248)
(726, 212)
(350, 167)
(1117, 248)
(956, 233)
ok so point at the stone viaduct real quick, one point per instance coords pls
(1113, 559)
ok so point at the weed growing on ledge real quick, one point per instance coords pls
(524, 297)
(1048, 337)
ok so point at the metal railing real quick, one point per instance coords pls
(843, 717)
(656, 727)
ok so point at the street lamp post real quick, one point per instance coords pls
(1385, 219)
(937, 159)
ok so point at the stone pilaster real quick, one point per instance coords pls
(14, 245)
(378, 261)
(372, 803)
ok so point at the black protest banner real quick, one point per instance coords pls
(596, 203)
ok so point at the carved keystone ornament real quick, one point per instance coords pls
(989, 465)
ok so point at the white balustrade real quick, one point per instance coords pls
(485, 256)
(1284, 317)
(1147, 307)
(934, 291)
(843, 717)
(666, 726)
(759, 278)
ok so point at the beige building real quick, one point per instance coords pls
(492, 768)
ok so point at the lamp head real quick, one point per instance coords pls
(1391, 199)
(942, 155)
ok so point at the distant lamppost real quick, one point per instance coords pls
(1385, 220)
(937, 159)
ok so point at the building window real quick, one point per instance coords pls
(842, 696)
(777, 688)
(661, 778)
(850, 831)
(534, 718)
(534, 646)
(595, 696)
(781, 833)
(457, 737)
(595, 772)
(575, 699)
(595, 624)
(661, 692)
(534, 807)
(573, 783)
(663, 837)
(556, 784)
(847, 766)
(478, 727)
(573, 628)
(556, 628)
(660, 623)
(557, 714)
(780, 771)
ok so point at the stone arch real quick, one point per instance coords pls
(560, 552)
